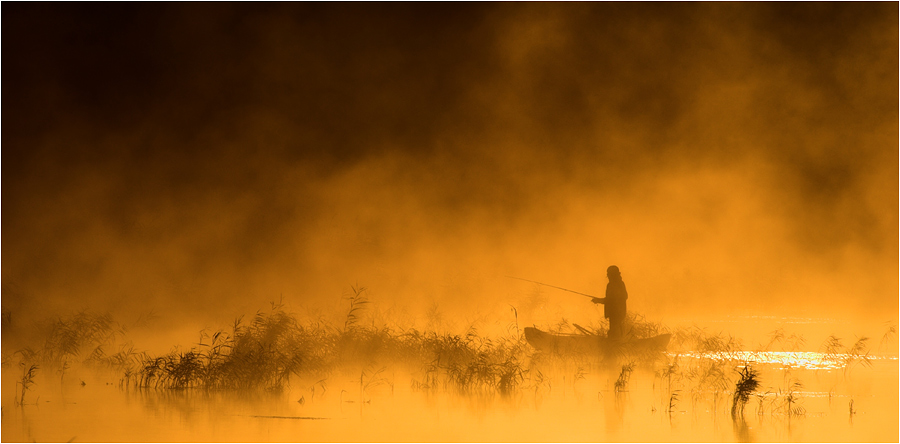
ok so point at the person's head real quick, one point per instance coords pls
(613, 272)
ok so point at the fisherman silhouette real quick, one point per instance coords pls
(614, 302)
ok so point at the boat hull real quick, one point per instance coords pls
(593, 344)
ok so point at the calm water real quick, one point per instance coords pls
(574, 402)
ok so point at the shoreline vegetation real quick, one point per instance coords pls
(275, 348)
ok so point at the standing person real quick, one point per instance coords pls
(614, 302)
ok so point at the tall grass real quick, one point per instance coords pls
(858, 353)
(469, 363)
(705, 377)
(358, 301)
(834, 352)
(793, 342)
(77, 339)
(262, 354)
(275, 348)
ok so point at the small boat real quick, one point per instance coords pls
(596, 345)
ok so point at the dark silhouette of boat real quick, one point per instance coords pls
(596, 345)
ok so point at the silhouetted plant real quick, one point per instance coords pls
(890, 334)
(791, 398)
(263, 354)
(79, 338)
(369, 379)
(637, 326)
(671, 369)
(624, 375)
(776, 336)
(27, 380)
(358, 301)
(62, 371)
(673, 401)
(831, 349)
(510, 375)
(760, 402)
(274, 347)
(70, 337)
(746, 385)
(858, 353)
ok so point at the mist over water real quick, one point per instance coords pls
(179, 166)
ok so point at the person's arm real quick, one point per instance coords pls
(598, 300)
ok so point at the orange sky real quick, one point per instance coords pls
(201, 160)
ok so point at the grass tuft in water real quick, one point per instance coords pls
(746, 385)
(28, 373)
(858, 353)
(622, 381)
(791, 402)
(673, 401)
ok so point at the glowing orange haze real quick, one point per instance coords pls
(727, 168)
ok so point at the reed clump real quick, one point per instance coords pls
(275, 347)
(790, 404)
(705, 377)
(264, 353)
(81, 338)
(746, 385)
(778, 337)
(471, 363)
(835, 353)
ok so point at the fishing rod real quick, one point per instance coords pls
(551, 286)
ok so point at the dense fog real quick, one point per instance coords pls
(200, 160)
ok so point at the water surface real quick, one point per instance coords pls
(833, 398)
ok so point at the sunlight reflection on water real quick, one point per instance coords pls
(807, 360)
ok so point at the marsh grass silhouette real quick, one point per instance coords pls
(358, 301)
(890, 334)
(746, 385)
(673, 401)
(834, 352)
(624, 375)
(273, 348)
(262, 354)
(761, 402)
(791, 400)
(472, 363)
(81, 338)
(669, 370)
(705, 377)
(26, 381)
(778, 336)
(832, 347)
(858, 353)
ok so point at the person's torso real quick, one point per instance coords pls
(616, 295)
